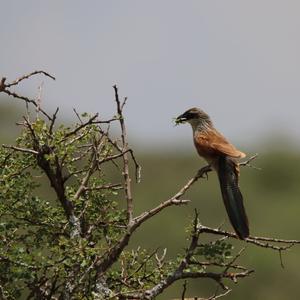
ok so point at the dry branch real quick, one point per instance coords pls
(18, 80)
(127, 180)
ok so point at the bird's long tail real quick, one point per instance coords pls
(232, 196)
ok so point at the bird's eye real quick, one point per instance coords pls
(191, 115)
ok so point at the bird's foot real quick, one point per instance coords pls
(203, 172)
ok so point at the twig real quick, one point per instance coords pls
(17, 81)
(248, 161)
(21, 149)
(280, 257)
(126, 174)
(113, 186)
(217, 296)
(177, 275)
(138, 168)
(251, 239)
(143, 263)
(86, 178)
(53, 119)
(184, 290)
(27, 100)
(5, 89)
(39, 98)
(233, 260)
(78, 116)
(208, 263)
(81, 126)
(112, 157)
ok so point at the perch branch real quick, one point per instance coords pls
(175, 200)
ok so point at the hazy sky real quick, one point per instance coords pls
(238, 60)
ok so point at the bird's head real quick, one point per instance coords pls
(194, 116)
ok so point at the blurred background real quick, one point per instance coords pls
(237, 60)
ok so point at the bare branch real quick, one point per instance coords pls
(18, 80)
(53, 119)
(5, 89)
(112, 157)
(112, 186)
(213, 297)
(184, 290)
(126, 175)
(259, 241)
(78, 128)
(217, 296)
(178, 275)
(208, 263)
(138, 168)
(78, 116)
(85, 180)
(92, 120)
(229, 265)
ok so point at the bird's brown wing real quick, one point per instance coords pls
(213, 142)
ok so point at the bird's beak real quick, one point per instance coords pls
(180, 119)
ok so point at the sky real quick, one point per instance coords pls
(237, 60)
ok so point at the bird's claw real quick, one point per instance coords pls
(203, 172)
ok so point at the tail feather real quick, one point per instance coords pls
(232, 196)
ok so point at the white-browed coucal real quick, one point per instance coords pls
(221, 156)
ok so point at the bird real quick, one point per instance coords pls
(222, 157)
